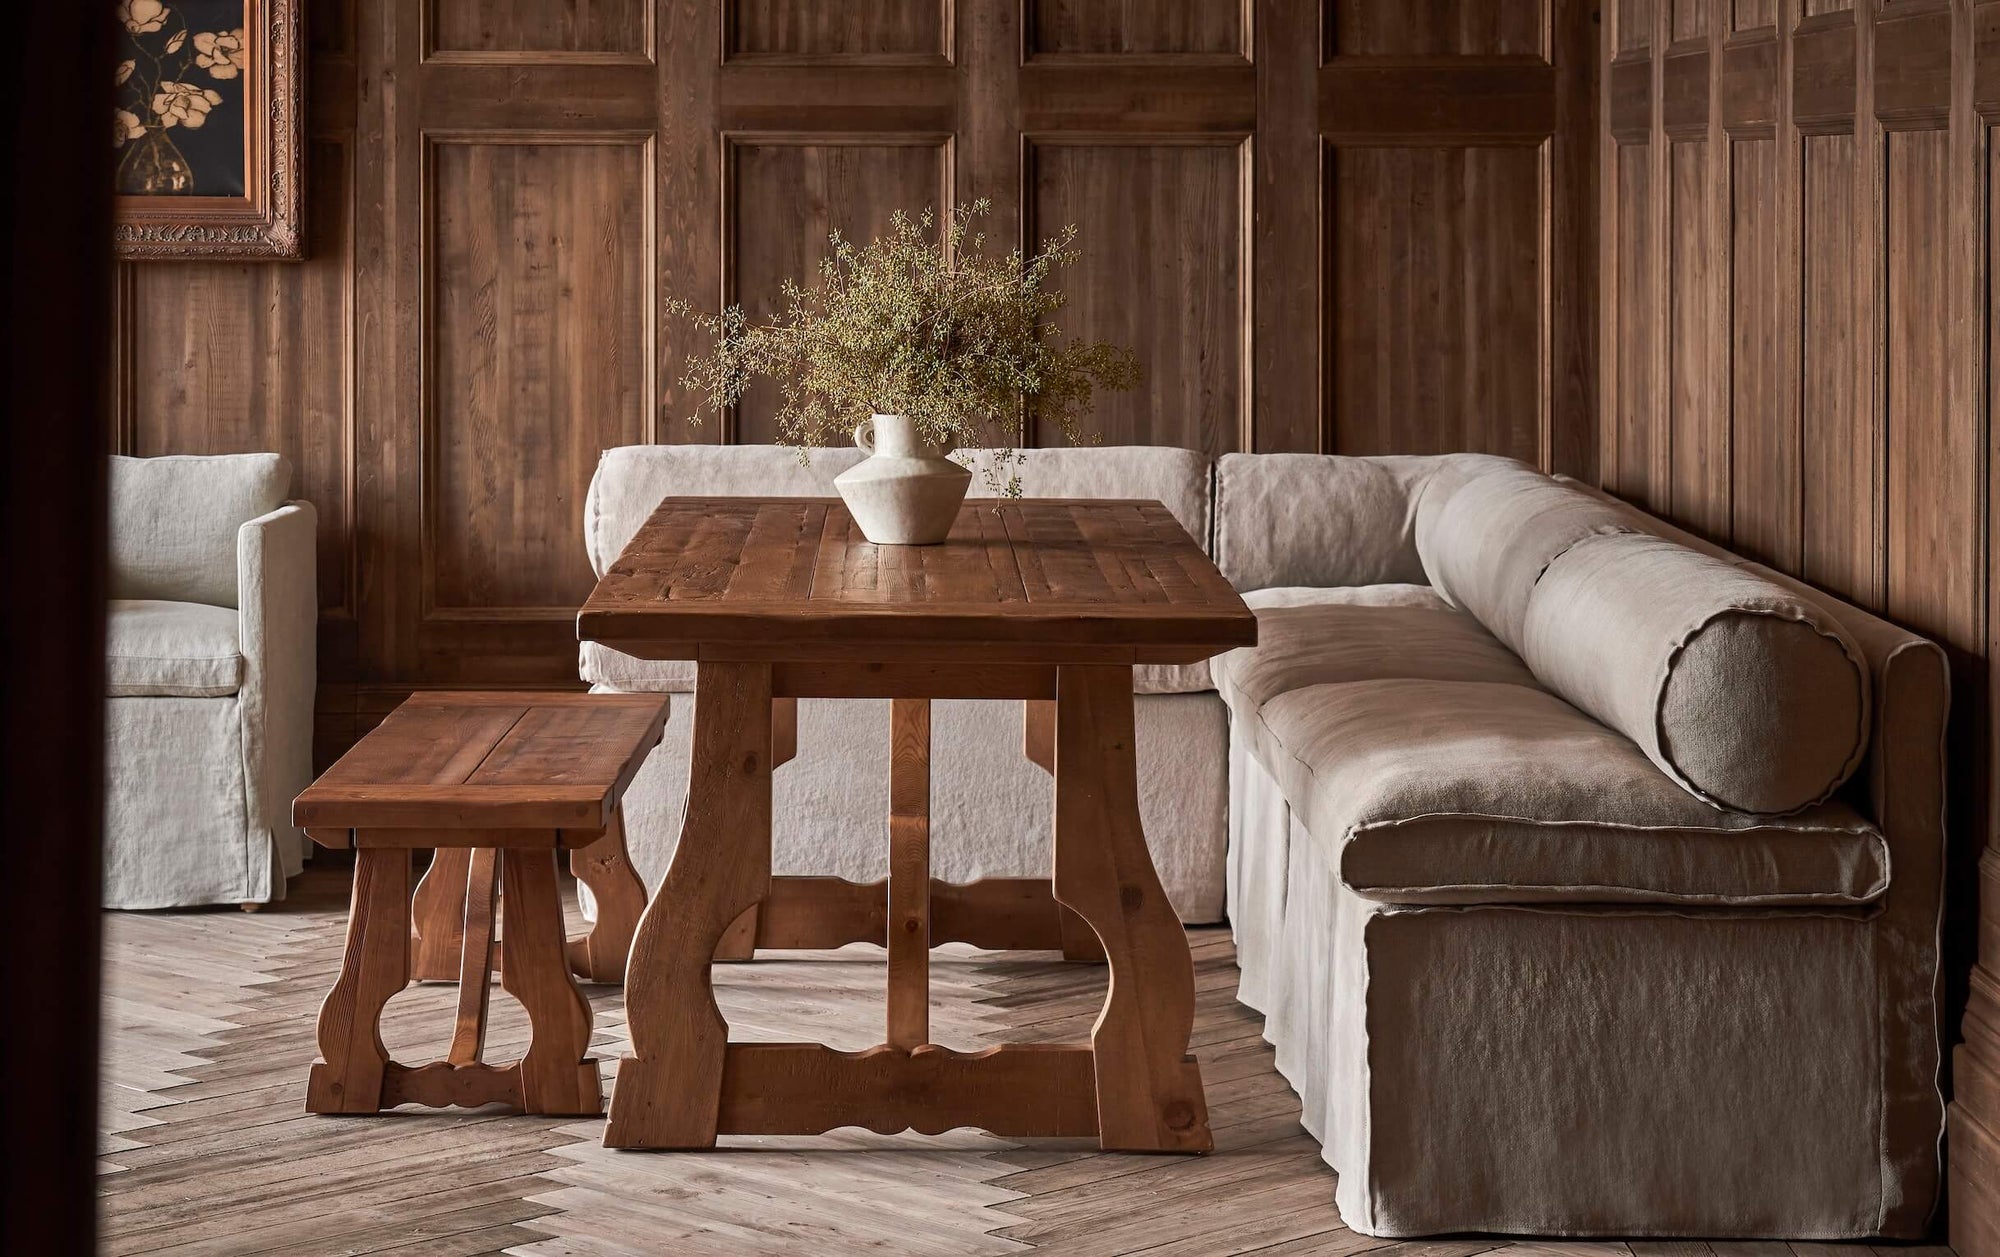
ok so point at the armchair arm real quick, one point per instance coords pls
(278, 601)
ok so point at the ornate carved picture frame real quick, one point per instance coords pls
(193, 76)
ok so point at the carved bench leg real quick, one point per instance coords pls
(439, 916)
(670, 1088)
(1149, 1095)
(909, 926)
(475, 969)
(556, 1076)
(376, 965)
(606, 867)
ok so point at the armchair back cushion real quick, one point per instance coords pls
(174, 522)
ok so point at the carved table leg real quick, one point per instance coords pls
(606, 867)
(439, 914)
(1149, 1096)
(475, 966)
(909, 926)
(374, 968)
(739, 941)
(555, 1076)
(670, 1089)
(1038, 743)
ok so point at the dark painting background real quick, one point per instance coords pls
(214, 151)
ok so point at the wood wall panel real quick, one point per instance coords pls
(573, 26)
(1698, 426)
(504, 193)
(539, 359)
(1934, 458)
(1437, 28)
(786, 195)
(1636, 459)
(1146, 27)
(1853, 176)
(1438, 309)
(1764, 442)
(1840, 483)
(881, 31)
(1168, 220)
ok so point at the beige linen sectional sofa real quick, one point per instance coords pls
(1588, 877)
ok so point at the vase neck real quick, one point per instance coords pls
(896, 436)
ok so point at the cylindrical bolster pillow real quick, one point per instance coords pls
(1746, 694)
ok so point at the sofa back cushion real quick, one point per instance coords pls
(1746, 694)
(632, 479)
(174, 522)
(1177, 479)
(1319, 519)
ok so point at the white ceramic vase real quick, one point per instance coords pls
(906, 492)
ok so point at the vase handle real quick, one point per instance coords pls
(864, 436)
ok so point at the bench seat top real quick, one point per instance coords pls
(534, 763)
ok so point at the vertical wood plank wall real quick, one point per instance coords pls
(1795, 275)
(1357, 226)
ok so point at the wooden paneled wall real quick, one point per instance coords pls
(1357, 226)
(1796, 277)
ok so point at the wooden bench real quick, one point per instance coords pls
(497, 784)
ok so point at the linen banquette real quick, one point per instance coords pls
(1588, 876)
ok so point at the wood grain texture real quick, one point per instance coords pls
(438, 915)
(908, 928)
(375, 966)
(1437, 28)
(606, 867)
(833, 31)
(475, 968)
(556, 1076)
(1841, 476)
(1764, 443)
(669, 1087)
(1436, 264)
(538, 361)
(599, 26)
(1169, 221)
(786, 196)
(489, 761)
(1699, 418)
(1136, 27)
(777, 578)
(1149, 1092)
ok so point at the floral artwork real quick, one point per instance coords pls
(178, 121)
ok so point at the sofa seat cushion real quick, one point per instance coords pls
(155, 648)
(615, 670)
(1430, 791)
(1367, 632)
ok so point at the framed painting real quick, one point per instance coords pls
(207, 123)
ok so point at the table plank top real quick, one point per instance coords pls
(489, 761)
(1052, 579)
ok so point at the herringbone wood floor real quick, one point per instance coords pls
(207, 1149)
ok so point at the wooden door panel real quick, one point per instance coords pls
(786, 194)
(1437, 28)
(1436, 280)
(1136, 27)
(538, 359)
(836, 31)
(1162, 228)
(535, 26)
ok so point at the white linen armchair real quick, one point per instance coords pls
(209, 676)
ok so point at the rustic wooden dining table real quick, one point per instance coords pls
(1047, 601)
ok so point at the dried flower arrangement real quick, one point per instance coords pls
(920, 323)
